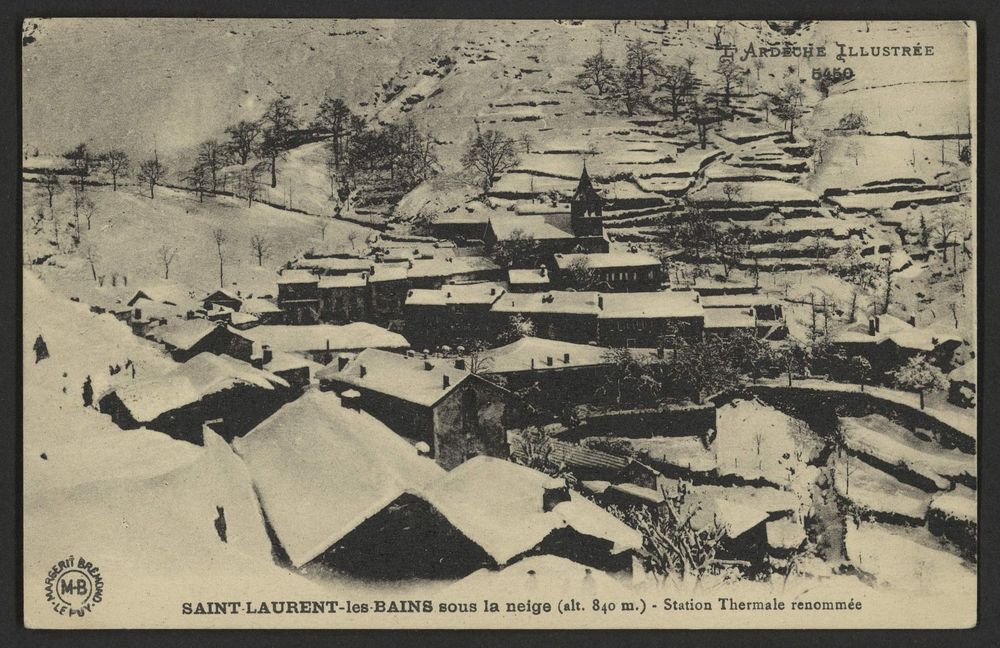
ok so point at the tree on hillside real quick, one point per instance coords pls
(417, 158)
(50, 183)
(280, 118)
(597, 72)
(243, 139)
(731, 245)
(628, 380)
(627, 90)
(703, 114)
(212, 157)
(271, 148)
(151, 172)
(167, 255)
(490, 153)
(641, 58)
(117, 163)
(261, 247)
(787, 106)
(702, 367)
(729, 75)
(919, 375)
(197, 179)
(694, 233)
(82, 162)
(219, 237)
(90, 254)
(580, 275)
(944, 226)
(248, 182)
(334, 117)
(677, 82)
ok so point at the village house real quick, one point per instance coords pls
(205, 388)
(321, 342)
(648, 319)
(564, 373)
(887, 342)
(265, 310)
(425, 399)
(186, 338)
(556, 314)
(528, 280)
(343, 298)
(609, 271)
(726, 314)
(223, 299)
(291, 456)
(452, 314)
(293, 368)
(298, 296)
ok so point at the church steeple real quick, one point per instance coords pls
(586, 207)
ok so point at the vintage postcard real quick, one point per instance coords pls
(499, 324)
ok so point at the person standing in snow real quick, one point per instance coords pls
(88, 392)
(41, 349)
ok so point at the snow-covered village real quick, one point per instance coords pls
(410, 317)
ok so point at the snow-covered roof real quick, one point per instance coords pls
(498, 505)
(536, 227)
(297, 276)
(343, 281)
(258, 306)
(529, 276)
(888, 324)
(965, 373)
(922, 339)
(533, 353)
(726, 318)
(477, 293)
(384, 272)
(552, 575)
(663, 304)
(553, 301)
(190, 382)
(413, 379)
(314, 337)
(185, 333)
(737, 301)
(167, 292)
(282, 361)
(602, 260)
(322, 469)
(450, 265)
(785, 534)
(224, 294)
(736, 519)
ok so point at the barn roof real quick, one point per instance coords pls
(533, 353)
(498, 505)
(314, 337)
(413, 379)
(322, 469)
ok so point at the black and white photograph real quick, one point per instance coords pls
(483, 323)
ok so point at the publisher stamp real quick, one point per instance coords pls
(74, 586)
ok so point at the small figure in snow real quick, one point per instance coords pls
(41, 349)
(88, 392)
(220, 523)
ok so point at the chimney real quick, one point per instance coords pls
(566, 358)
(493, 291)
(257, 362)
(548, 360)
(871, 326)
(532, 363)
(878, 324)
(427, 365)
(600, 302)
(267, 353)
(328, 344)
(912, 320)
(138, 313)
(189, 315)
(351, 399)
(445, 381)
(342, 361)
(460, 363)
(659, 352)
(553, 496)
(362, 371)
(542, 270)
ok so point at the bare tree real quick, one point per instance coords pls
(151, 172)
(641, 58)
(597, 72)
(732, 192)
(334, 117)
(703, 115)
(323, 224)
(117, 163)
(90, 254)
(51, 185)
(490, 153)
(220, 238)
(944, 226)
(729, 74)
(197, 179)
(678, 82)
(787, 105)
(167, 255)
(212, 157)
(243, 139)
(260, 246)
(248, 183)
